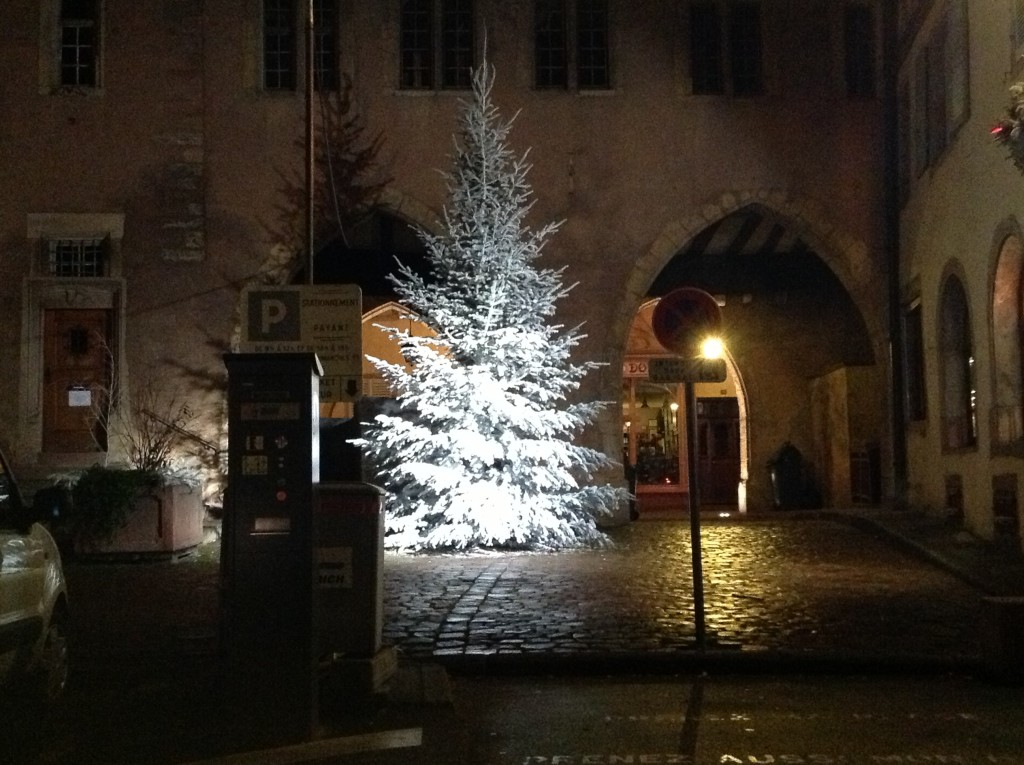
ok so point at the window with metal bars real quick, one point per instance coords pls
(280, 60)
(79, 43)
(437, 42)
(77, 257)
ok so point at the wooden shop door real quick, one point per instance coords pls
(718, 452)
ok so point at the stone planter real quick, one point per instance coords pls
(166, 522)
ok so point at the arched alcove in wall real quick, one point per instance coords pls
(1006, 420)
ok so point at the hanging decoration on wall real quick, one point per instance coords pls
(1008, 130)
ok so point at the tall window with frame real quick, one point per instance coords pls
(280, 44)
(325, 48)
(417, 44)
(1017, 35)
(941, 98)
(913, 360)
(550, 37)
(437, 44)
(745, 48)
(859, 47)
(592, 66)
(456, 44)
(706, 63)
(726, 48)
(79, 43)
(959, 394)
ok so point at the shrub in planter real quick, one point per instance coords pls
(103, 498)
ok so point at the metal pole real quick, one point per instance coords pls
(310, 158)
(693, 496)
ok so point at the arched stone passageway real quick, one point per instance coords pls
(803, 354)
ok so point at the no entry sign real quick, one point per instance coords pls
(684, 318)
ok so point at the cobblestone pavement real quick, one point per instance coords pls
(806, 587)
(798, 587)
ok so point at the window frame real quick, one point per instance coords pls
(85, 21)
(573, 53)
(283, 75)
(51, 50)
(77, 257)
(860, 51)
(727, 48)
(939, 77)
(915, 392)
(326, 46)
(958, 369)
(436, 44)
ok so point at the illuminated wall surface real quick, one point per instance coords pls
(166, 178)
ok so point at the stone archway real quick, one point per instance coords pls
(822, 412)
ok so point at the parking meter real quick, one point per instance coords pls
(270, 636)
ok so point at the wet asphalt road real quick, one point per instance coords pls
(145, 685)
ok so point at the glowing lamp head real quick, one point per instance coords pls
(712, 348)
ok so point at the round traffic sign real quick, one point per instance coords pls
(684, 318)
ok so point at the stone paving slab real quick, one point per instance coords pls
(798, 587)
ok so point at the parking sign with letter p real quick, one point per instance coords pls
(273, 315)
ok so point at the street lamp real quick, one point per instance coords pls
(687, 321)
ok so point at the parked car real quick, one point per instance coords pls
(33, 597)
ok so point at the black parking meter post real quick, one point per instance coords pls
(270, 630)
(693, 498)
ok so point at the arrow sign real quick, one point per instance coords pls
(686, 370)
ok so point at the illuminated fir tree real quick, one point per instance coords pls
(481, 450)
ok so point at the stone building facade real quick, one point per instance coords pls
(960, 263)
(737, 146)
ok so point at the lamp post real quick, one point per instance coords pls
(687, 322)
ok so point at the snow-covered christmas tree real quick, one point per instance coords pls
(481, 451)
